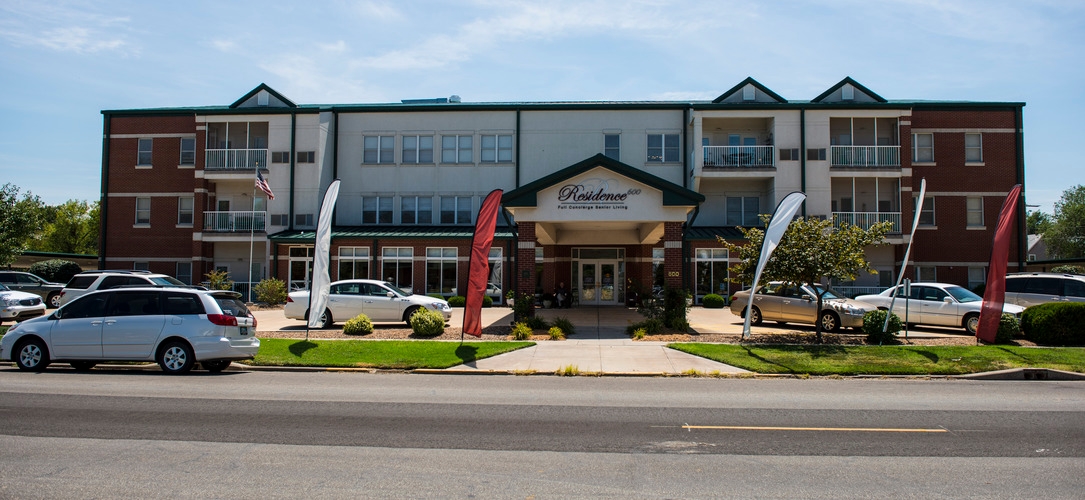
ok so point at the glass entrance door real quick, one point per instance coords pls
(598, 281)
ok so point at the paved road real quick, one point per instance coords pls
(338, 434)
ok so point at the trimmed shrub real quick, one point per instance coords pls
(675, 306)
(523, 306)
(358, 325)
(487, 301)
(1008, 328)
(55, 270)
(639, 333)
(270, 291)
(536, 323)
(1066, 269)
(713, 301)
(1055, 323)
(219, 280)
(874, 321)
(427, 323)
(565, 325)
(457, 301)
(520, 331)
(556, 333)
(651, 326)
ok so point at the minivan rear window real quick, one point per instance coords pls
(233, 307)
(80, 282)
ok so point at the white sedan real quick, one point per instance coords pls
(381, 301)
(17, 306)
(937, 304)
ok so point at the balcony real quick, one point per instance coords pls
(866, 156)
(739, 156)
(866, 219)
(235, 159)
(234, 222)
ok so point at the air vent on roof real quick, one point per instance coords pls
(454, 98)
(847, 92)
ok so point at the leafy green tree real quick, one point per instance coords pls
(1066, 236)
(1037, 222)
(20, 220)
(71, 227)
(810, 250)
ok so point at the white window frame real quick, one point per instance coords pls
(613, 152)
(926, 273)
(928, 206)
(185, 207)
(378, 149)
(667, 154)
(974, 150)
(977, 276)
(398, 256)
(442, 257)
(416, 151)
(711, 257)
(190, 150)
(416, 213)
(184, 272)
(353, 256)
(143, 211)
(458, 212)
(382, 209)
(659, 277)
(917, 149)
(144, 152)
(457, 148)
(973, 211)
(496, 148)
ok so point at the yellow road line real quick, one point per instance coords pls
(838, 429)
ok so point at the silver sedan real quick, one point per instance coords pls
(788, 303)
(936, 304)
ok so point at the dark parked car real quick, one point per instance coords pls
(32, 283)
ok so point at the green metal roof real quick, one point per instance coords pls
(709, 233)
(386, 231)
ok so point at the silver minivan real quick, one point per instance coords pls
(1029, 289)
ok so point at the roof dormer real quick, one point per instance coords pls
(749, 91)
(263, 97)
(848, 90)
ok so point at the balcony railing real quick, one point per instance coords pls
(866, 156)
(234, 222)
(235, 159)
(739, 156)
(866, 219)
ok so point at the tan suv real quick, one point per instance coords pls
(1028, 289)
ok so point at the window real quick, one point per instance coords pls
(662, 147)
(926, 217)
(974, 208)
(184, 211)
(188, 151)
(353, 263)
(657, 267)
(416, 210)
(303, 219)
(306, 156)
(455, 210)
(815, 154)
(612, 146)
(378, 149)
(376, 210)
(279, 219)
(141, 266)
(743, 211)
(789, 154)
(280, 157)
(497, 148)
(925, 273)
(184, 272)
(143, 155)
(711, 271)
(923, 147)
(397, 266)
(456, 149)
(978, 276)
(143, 211)
(973, 148)
(417, 149)
(440, 270)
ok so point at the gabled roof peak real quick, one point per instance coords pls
(263, 97)
(845, 91)
(749, 90)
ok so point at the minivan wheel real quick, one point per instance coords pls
(830, 322)
(32, 355)
(82, 366)
(54, 300)
(972, 323)
(176, 358)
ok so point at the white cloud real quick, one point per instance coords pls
(62, 28)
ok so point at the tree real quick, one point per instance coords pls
(71, 227)
(20, 220)
(1065, 237)
(811, 249)
(1037, 222)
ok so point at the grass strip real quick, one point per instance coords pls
(886, 360)
(387, 354)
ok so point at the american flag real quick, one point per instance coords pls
(262, 184)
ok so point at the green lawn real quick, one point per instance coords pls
(393, 354)
(887, 360)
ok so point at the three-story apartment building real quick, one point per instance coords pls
(609, 197)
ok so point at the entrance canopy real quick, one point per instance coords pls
(600, 201)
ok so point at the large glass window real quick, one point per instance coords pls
(923, 148)
(743, 210)
(376, 210)
(657, 267)
(143, 155)
(397, 266)
(378, 149)
(353, 263)
(456, 149)
(455, 210)
(711, 272)
(440, 270)
(496, 148)
(663, 147)
(416, 210)
(417, 149)
(143, 211)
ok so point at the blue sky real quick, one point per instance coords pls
(64, 62)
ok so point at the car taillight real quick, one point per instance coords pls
(222, 319)
(288, 299)
(253, 321)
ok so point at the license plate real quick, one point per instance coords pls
(244, 330)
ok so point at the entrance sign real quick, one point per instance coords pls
(595, 194)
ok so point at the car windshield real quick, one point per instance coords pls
(167, 281)
(962, 294)
(4, 288)
(829, 292)
(396, 289)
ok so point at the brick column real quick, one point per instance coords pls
(672, 254)
(525, 261)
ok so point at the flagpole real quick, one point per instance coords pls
(252, 225)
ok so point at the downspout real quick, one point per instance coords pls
(103, 211)
(685, 148)
(1022, 237)
(802, 155)
(293, 159)
(335, 158)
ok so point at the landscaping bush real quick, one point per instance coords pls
(270, 291)
(427, 323)
(536, 323)
(565, 325)
(556, 333)
(219, 280)
(1008, 328)
(358, 325)
(487, 301)
(522, 306)
(1065, 269)
(1055, 323)
(55, 270)
(651, 326)
(681, 325)
(520, 331)
(675, 306)
(713, 301)
(457, 301)
(874, 321)
(639, 333)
